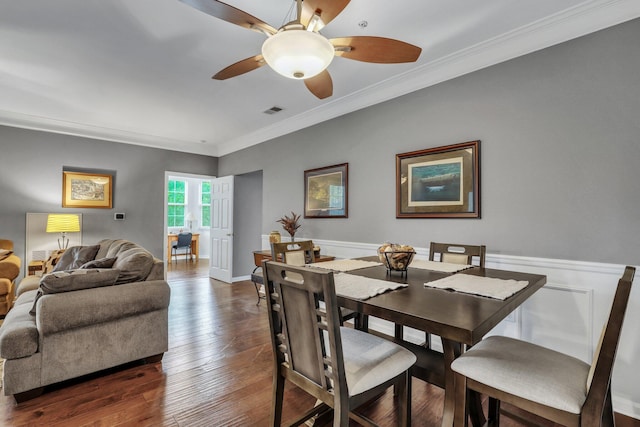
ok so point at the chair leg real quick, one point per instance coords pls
(340, 412)
(399, 332)
(404, 400)
(427, 340)
(361, 322)
(357, 321)
(278, 398)
(257, 286)
(474, 408)
(493, 415)
(460, 408)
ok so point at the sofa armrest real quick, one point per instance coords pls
(28, 283)
(76, 309)
(10, 267)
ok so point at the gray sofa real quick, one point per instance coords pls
(55, 333)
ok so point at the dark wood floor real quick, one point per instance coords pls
(217, 372)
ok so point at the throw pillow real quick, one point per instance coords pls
(134, 265)
(99, 263)
(52, 261)
(75, 256)
(74, 280)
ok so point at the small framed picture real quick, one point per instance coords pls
(441, 182)
(86, 190)
(326, 192)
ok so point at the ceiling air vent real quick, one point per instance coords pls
(273, 110)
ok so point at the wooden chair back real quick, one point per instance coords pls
(458, 254)
(294, 253)
(598, 400)
(298, 324)
(6, 244)
(301, 253)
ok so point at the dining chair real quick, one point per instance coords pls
(544, 382)
(300, 253)
(340, 366)
(294, 253)
(453, 253)
(182, 244)
(457, 253)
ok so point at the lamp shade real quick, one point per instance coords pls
(190, 217)
(298, 54)
(59, 223)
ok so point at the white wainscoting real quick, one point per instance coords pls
(566, 315)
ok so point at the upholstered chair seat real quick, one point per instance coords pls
(527, 370)
(370, 361)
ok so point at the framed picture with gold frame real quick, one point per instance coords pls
(440, 182)
(86, 190)
(326, 192)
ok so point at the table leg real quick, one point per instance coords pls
(452, 350)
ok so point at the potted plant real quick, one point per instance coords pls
(290, 224)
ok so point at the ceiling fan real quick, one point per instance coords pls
(297, 50)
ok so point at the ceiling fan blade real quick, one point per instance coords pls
(326, 9)
(320, 85)
(230, 14)
(240, 67)
(380, 50)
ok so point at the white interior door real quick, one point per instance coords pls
(221, 264)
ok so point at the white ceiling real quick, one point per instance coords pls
(139, 71)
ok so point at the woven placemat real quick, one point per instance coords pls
(345, 264)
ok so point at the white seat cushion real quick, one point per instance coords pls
(527, 370)
(370, 361)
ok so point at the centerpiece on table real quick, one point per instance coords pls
(290, 224)
(396, 257)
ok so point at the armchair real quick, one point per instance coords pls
(9, 271)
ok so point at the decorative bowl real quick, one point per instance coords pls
(396, 257)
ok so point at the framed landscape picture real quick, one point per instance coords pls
(441, 182)
(326, 192)
(86, 190)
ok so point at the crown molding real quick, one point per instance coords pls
(572, 23)
(46, 124)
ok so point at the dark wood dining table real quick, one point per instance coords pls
(460, 319)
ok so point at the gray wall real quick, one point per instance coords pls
(247, 220)
(560, 156)
(31, 181)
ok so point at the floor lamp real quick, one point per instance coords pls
(63, 223)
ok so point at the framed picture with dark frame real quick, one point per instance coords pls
(86, 190)
(440, 182)
(326, 192)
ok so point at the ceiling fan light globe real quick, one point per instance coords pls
(298, 54)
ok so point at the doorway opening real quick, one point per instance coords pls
(186, 208)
